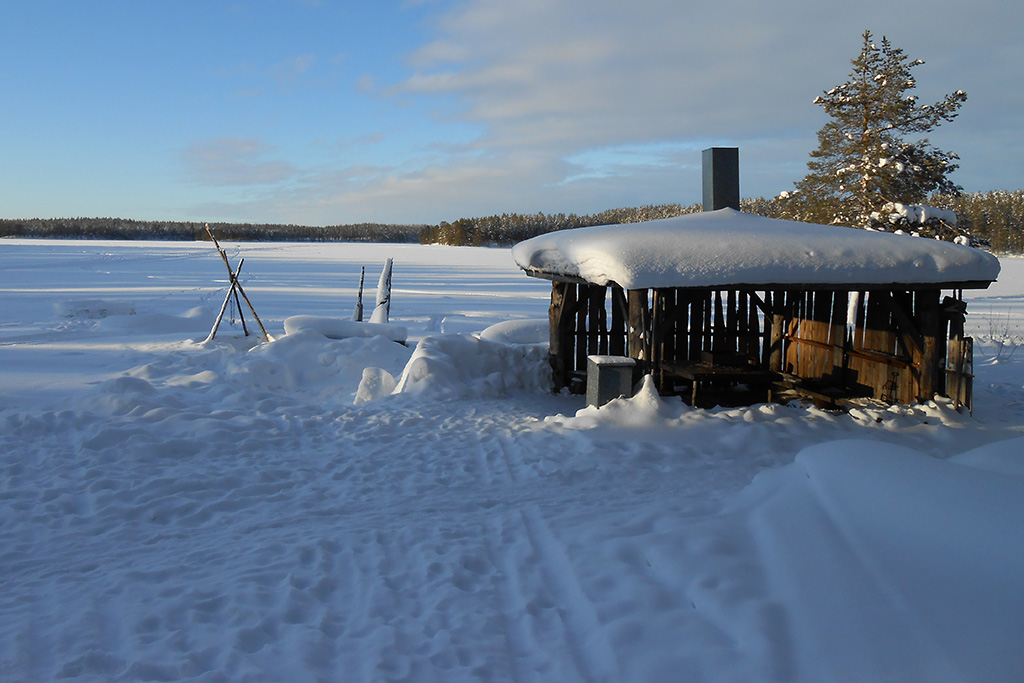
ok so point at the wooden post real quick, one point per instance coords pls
(957, 386)
(697, 322)
(580, 336)
(638, 328)
(560, 330)
(718, 341)
(776, 332)
(657, 336)
(357, 312)
(930, 322)
(731, 339)
(620, 313)
(910, 342)
(597, 321)
(681, 351)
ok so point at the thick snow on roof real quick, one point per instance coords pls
(728, 248)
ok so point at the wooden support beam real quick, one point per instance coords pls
(620, 315)
(597, 321)
(776, 332)
(638, 328)
(561, 333)
(582, 306)
(902, 317)
(930, 318)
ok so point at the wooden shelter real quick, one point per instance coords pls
(724, 307)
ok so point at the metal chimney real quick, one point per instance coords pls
(721, 178)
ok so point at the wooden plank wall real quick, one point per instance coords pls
(893, 343)
(816, 337)
(689, 323)
(584, 320)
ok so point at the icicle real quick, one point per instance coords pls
(851, 311)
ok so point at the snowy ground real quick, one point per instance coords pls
(173, 510)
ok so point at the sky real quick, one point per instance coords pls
(319, 112)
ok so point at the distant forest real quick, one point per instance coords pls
(127, 229)
(996, 217)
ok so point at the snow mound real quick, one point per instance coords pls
(458, 366)
(337, 328)
(1006, 457)
(375, 383)
(518, 332)
(921, 557)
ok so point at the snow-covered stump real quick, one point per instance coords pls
(383, 308)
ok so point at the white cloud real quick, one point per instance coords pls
(564, 82)
(584, 105)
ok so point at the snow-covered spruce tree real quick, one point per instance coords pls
(865, 160)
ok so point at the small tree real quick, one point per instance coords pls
(864, 160)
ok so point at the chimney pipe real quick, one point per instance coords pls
(721, 166)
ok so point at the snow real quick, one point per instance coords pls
(728, 248)
(322, 508)
(340, 328)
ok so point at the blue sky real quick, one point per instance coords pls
(323, 112)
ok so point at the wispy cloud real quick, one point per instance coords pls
(289, 71)
(234, 161)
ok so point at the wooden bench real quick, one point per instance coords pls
(722, 377)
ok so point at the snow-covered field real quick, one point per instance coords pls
(222, 511)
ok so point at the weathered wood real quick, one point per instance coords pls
(930, 319)
(731, 338)
(719, 335)
(561, 333)
(891, 343)
(617, 330)
(697, 326)
(838, 337)
(637, 344)
(236, 284)
(582, 312)
(224, 306)
(742, 325)
(909, 342)
(681, 350)
(597, 316)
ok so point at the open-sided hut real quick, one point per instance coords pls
(728, 307)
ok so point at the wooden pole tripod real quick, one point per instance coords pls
(235, 289)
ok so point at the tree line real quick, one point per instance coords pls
(995, 218)
(129, 229)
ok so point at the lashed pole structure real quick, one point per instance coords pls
(235, 287)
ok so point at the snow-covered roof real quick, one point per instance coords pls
(731, 248)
